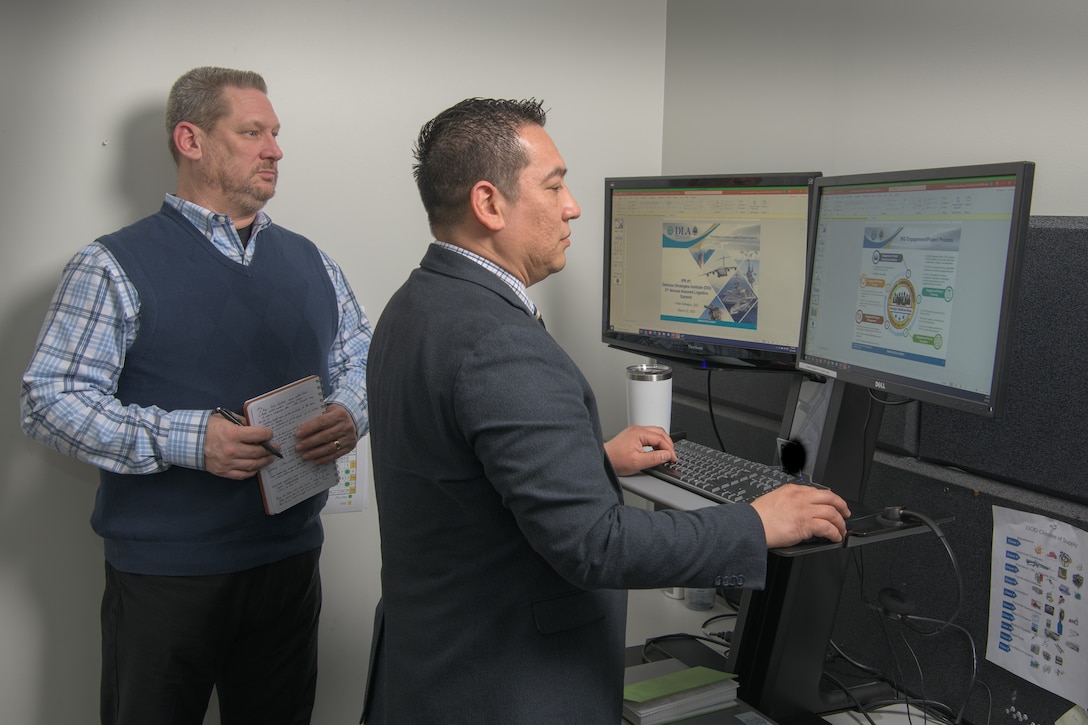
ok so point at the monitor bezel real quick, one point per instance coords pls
(705, 355)
(991, 406)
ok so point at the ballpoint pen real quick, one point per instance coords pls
(234, 419)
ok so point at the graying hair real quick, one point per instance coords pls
(197, 97)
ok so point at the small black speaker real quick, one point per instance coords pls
(792, 456)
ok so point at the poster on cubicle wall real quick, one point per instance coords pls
(1038, 626)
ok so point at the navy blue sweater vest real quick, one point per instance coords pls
(212, 332)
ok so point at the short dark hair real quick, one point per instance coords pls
(197, 97)
(477, 139)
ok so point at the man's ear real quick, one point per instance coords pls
(487, 205)
(189, 140)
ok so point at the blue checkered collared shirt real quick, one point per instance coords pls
(68, 391)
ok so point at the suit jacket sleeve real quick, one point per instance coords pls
(532, 420)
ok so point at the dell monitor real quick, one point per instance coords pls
(706, 271)
(913, 279)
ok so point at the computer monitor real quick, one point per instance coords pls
(706, 271)
(913, 279)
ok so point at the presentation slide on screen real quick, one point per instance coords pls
(710, 272)
(906, 290)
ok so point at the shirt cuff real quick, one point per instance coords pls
(185, 434)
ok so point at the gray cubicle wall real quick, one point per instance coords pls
(946, 463)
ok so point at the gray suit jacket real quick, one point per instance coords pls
(506, 549)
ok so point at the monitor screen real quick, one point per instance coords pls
(707, 271)
(913, 281)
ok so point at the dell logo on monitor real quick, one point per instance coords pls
(879, 385)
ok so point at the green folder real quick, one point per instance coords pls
(673, 682)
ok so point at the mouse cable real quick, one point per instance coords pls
(899, 513)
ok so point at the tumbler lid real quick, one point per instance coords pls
(649, 371)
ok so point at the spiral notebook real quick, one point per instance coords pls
(290, 480)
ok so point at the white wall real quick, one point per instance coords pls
(82, 152)
(850, 86)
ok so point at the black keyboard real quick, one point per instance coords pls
(719, 476)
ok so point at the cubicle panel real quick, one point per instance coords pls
(743, 400)
(762, 393)
(748, 409)
(1040, 441)
(743, 434)
(900, 428)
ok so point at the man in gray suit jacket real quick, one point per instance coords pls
(506, 546)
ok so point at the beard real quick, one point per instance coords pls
(246, 194)
(242, 188)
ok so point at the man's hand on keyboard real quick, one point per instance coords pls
(627, 451)
(792, 513)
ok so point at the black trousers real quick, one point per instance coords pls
(253, 635)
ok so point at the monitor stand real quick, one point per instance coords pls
(782, 633)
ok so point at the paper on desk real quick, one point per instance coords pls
(1038, 617)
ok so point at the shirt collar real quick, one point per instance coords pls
(219, 228)
(511, 281)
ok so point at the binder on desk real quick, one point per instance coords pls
(665, 691)
(290, 480)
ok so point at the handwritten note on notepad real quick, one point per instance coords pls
(289, 480)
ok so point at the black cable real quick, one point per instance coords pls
(951, 558)
(899, 678)
(865, 457)
(970, 640)
(867, 669)
(652, 642)
(936, 710)
(905, 620)
(716, 617)
(912, 623)
(989, 701)
(846, 691)
(921, 677)
(710, 409)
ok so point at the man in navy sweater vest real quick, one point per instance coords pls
(205, 303)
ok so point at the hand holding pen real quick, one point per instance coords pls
(238, 421)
